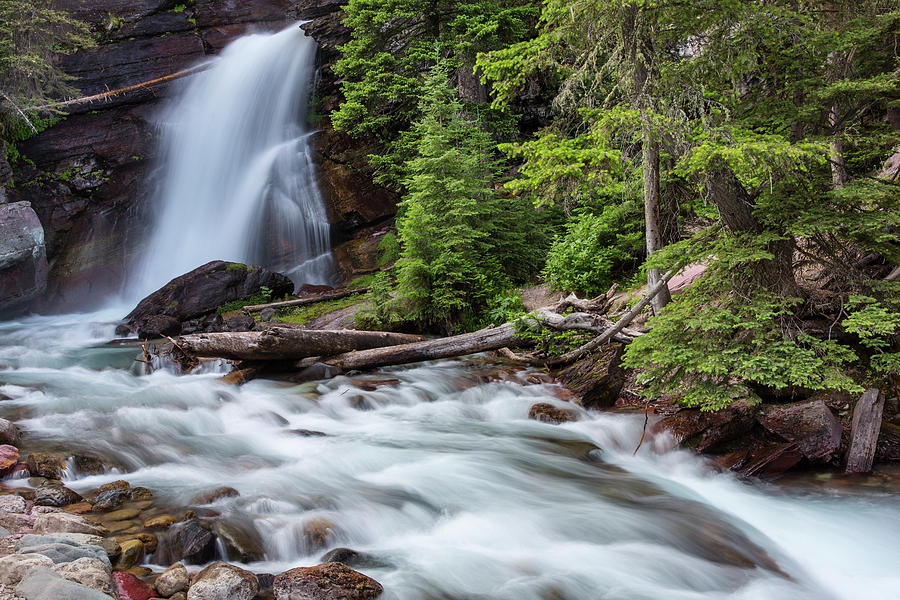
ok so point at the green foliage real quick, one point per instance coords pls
(547, 342)
(504, 307)
(263, 297)
(594, 248)
(388, 249)
(31, 33)
(362, 281)
(382, 312)
(305, 314)
(877, 324)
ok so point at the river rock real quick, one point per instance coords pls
(328, 581)
(15, 566)
(118, 484)
(55, 495)
(42, 583)
(9, 433)
(241, 543)
(132, 553)
(240, 323)
(157, 326)
(9, 457)
(191, 542)
(23, 257)
(60, 552)
(221, 581)
(123, 514)
(173, 580)
(596, 379)
(317, 534)
(160, 522)
(547, 413)
(354, 559)
(12, 504)
(41, 464)
(111, 499)
(78, 539)
(131, 588)
(704, 431)
(91, 572)
(66, 523)
(213, 495)
(208, 287)
(85, 464)
(809, 424)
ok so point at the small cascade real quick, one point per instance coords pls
(237, 181)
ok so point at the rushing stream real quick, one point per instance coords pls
(443, 480)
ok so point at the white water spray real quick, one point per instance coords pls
(238, 182)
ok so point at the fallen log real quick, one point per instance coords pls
(492, 338)
(582, 321)
(864, 430)
(303, 301)
(287, 343)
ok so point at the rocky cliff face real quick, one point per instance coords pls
(89, 176)
(23, 262)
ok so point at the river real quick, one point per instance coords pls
(436, 472)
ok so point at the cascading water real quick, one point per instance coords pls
(237, 180)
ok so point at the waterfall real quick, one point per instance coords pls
(237, 181)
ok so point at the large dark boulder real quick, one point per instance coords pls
(596, 379)
(23, 258)
(206, 288)
(809, 424)
(705, 431)
(329, 581)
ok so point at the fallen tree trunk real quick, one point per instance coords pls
(864, 430)
(492, 338)
(286, 343)
(582, 321)
(303, 301)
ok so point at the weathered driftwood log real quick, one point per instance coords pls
(492, 338)
(864, 430)
(583, 321)
(286, 343)
(303, 301)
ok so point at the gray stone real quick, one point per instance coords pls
(81, 539)
(15, 566)
(23, 258)
(63, 553)
(110, 499)
(55, 495)
(173, 580)
(9, 433)
(90, 572)
(42, 583)
(12, 504)
(65, 523)
(267, 314)
(221, 581)
(4, 532)
(328, 581)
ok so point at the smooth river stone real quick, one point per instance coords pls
(125, 514)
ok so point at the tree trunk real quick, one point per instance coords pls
(864, 430)
(651, 214)
(303, 301)
(492, 338)
(839, 174)
(735, 208)
(285, 343)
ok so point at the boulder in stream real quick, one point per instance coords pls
(221, 581)
(328, 581)
(23, 258)
(206, 288)
(809, 424)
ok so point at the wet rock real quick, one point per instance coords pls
(547, 413)
(328, 581)
(55, 495)
(79, 508)
(111, 499)
(191, 542)
(241, 543)
(705, 431)
(809, 424)
(173, 580)
(216, 494)
(208, 287)
(41, 464)
(131, 588)
(221, 581)
(23, 257)
(123, 514)
(118, 484)
(12, 504)
(160, 522)
(141, 493)
(354, 559)
(307, 433)
(9, 457)
(89, 572)
(64, 522)
(132, 553)
(240, 323)
(769, 460)
(9, 433)
(157, 326)
(148, 539)
(317, 534)
(86, 464)
(43, 583)
(596, 379)
(14, 566)
(213, 323)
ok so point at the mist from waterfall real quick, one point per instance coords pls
(237, 180)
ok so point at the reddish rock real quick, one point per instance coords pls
(769, 461)
(9, 456)
(547, 413)
(704, 431)
(328, 581)
(132, 588)
(41, 464)
(596, 379)
(809, 424)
